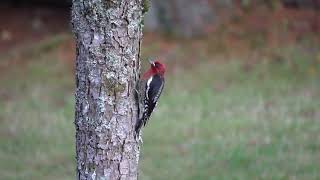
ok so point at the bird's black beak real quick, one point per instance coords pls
(151, 62)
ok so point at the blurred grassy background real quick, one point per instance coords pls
(234, 107)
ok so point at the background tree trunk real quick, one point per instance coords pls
(108, 35)
(186, 18)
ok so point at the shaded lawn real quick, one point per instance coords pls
(214, 121)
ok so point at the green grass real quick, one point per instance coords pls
(214, 121)
(262, 125)
(36, 121)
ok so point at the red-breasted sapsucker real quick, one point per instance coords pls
(154, 85)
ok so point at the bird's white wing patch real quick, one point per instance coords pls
(148, 86)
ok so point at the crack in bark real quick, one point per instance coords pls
(121, 158)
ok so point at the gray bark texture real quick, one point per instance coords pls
(108, 35)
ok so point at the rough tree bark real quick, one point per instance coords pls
(108, 35)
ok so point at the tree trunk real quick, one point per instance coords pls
(108, 35)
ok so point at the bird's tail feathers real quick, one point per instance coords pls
(138, 127)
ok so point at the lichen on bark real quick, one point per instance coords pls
(108, 37)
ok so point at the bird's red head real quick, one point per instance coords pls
(156, 67)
